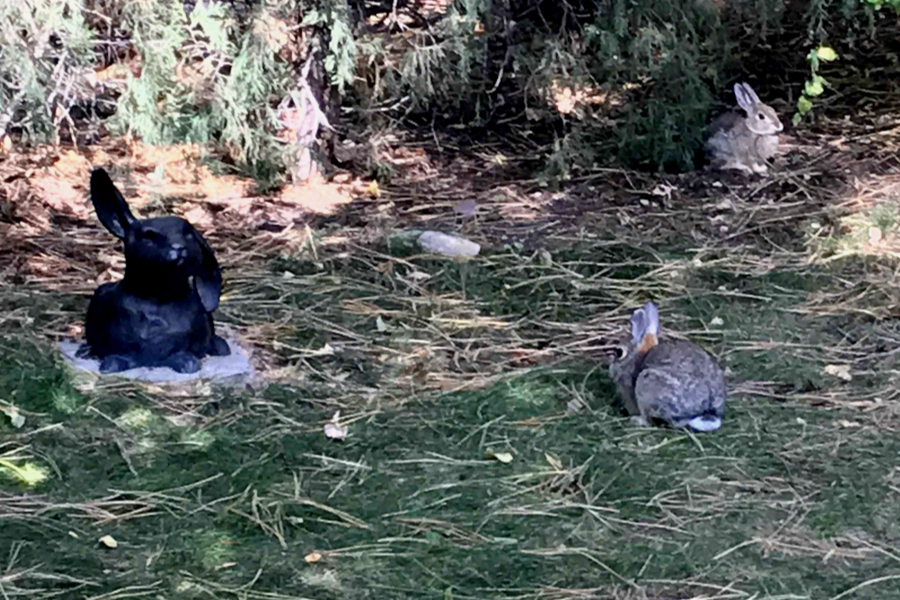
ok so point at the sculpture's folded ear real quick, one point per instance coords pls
(112, 210)
(208, 277)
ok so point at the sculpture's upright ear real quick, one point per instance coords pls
(208, 277)
(112, 210)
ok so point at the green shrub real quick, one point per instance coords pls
(647, 71)
(44, 47)
(204, 79)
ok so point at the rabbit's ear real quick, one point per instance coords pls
(746, 97)
(651, 315)
(753, 97)
(112, 210)
(644, 321)
(638, 320)
(208, 278)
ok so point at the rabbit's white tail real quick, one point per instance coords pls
(705, 423)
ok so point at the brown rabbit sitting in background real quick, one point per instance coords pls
(744, 142)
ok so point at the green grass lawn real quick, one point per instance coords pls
(438, 368)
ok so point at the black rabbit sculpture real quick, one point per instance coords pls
(160, 313)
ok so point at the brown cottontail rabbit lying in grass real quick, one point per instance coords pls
(744, 142)
(675, 381)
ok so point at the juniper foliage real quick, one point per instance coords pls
(44, 47)
(206, 78)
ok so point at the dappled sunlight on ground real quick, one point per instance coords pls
(577, 99)
(57, 186)
(319, 197)
(871, 223)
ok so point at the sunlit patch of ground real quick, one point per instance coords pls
(57, 185)
(871, 223)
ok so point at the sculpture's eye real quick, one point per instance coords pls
(762, 117)
(152, 236)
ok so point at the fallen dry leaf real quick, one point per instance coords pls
(504, 457)
(574, 406)
(333, 429)
(839, 371)
(466, 208)
(15, 417)
(664, 191)
(875, 235)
